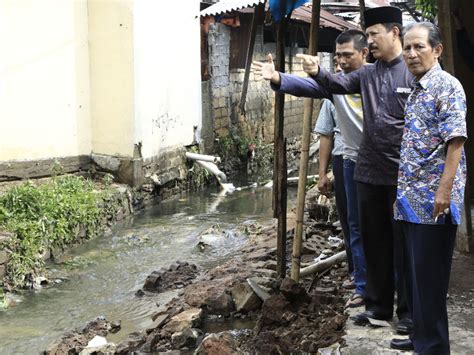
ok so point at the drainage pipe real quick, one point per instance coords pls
(212, 168)
(202, 157)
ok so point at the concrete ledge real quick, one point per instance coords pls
(19, 170)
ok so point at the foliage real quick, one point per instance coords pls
(232, 145)
(47, 217)
(428, 8)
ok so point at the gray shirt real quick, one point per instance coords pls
(327, 124)
(385, 88)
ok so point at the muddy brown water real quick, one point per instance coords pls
(102, 275)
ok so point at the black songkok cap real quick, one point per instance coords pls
(384, 14)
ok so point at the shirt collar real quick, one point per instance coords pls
(425, 79)
(392, 62)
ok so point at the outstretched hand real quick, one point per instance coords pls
(266, 70)
(310, 63)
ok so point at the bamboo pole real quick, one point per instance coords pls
(279, 154)
(308, 114)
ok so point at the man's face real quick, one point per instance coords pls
(348, 57)
(418, 54)
(380, 41)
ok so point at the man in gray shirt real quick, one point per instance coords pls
(385, 87)
(351, 51)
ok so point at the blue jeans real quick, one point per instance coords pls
(357, 248)
(341, 205)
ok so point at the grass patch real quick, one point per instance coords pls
(48, 217)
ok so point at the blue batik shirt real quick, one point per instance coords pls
(435, 113)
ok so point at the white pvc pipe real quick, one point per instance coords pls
(212, 168)
(203, 157)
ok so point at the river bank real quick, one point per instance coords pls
(217, 311)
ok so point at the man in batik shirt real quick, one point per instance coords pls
(430, 189)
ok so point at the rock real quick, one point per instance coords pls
(223, 304)
(186, 338)
(190, 318)
(273, 309)
(96, 342)
(107, 349)
(135, 340)
(178, 275)
(3, 257)
(294, 292)
(331, 290)
(159, 321)
(5, 236)
(152, 281)
(244, 298)
(218, 344)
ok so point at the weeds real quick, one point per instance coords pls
(47, 217)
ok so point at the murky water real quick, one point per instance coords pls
(103, 274)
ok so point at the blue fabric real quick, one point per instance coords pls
(290, 5)
(356, 246)
(301, 87)
(341, 205)
(435, 113)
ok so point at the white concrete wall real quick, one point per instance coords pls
(112, 76)
(167, 74)
(44, 79)
(82, 76)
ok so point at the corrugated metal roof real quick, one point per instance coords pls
(224, 6)
(326, 19)
(302, 13)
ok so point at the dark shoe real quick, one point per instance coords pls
(404, 326)
(363, 318)
(401, 344)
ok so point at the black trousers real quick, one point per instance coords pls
(383, 251)
(341, 205)
(428, 254)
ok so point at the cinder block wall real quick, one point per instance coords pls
(225, 90)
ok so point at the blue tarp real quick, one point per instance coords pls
(290, 5)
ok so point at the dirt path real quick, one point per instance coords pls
(367, 341)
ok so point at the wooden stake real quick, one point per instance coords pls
(464, 241)
(308, 114)
(256, 19)
(362, 10)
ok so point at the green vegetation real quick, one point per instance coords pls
(48, 217)
(428, 8)
(230, 145)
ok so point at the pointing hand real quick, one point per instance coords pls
(310, 63)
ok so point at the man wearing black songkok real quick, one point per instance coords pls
(385, 87)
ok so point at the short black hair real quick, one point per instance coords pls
(390, 25)
(434, 34)
(357, 37)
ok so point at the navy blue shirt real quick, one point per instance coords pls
(385, 88)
